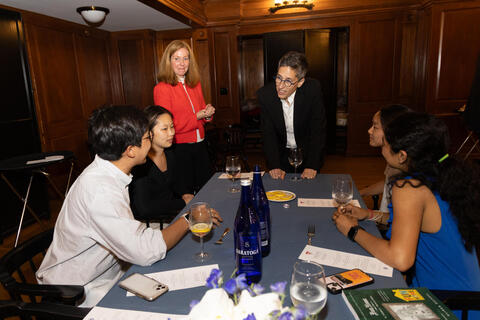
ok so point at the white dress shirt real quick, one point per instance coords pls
(288, 105)
(96, 237)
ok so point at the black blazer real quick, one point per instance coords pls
(308, 121)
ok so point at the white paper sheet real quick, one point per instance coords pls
(183, 278)
(243, 175)
(322, 203)
(346, 260)
(100, 313)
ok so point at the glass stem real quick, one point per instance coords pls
(295, 171)
(201, 247)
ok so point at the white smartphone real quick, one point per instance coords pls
(143, 286)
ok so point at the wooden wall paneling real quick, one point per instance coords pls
(56, 83)
(453, 51)
(252, 67)
(225, 69)
(137, 65)
(94, 72)
(373, 63)
(202, 54)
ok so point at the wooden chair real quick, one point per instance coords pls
(20, 264)
(459, 300)
(42, 310)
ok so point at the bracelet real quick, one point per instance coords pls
(370, 214)
(352, 233)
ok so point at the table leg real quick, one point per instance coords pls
(23, 211)
(21, 199)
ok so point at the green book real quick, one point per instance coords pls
(396, 304)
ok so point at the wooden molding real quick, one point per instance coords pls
(190, 12)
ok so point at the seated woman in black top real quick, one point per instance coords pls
(155, 192)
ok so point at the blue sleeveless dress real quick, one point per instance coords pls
(442, 262)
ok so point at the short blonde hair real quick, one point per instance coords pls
(166, 73)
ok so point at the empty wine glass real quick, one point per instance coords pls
(342, 190)
(308, 287)
(233, 168)
(295, 159)
(200, 223)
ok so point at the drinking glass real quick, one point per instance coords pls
(200, 223)
(342, 190)
(308, 287)
(295, 159)
(233, 168)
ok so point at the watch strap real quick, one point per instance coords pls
(352, 233)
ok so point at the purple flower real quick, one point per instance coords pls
(251, 316)
(213, 278)
(278, 287)
(194, 303)
(300, 312)
(257, 289)
(241, 282)
(286, 316)
(230, 286)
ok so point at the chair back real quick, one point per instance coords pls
(459, 300)
(42, 310)
(21, 263)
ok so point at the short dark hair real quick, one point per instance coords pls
(152, 113)
(295, 60)
(111, 129)
(390, 112)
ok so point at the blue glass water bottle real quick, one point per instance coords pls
(261, 206)
(248, 252)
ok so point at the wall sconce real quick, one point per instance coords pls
(93, 15)
(286, 4)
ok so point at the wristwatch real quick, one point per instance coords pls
(352, 233)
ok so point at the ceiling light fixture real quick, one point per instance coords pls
(285, 4)
(93, 15)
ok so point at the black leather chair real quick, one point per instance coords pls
(459, 300)
(45, 310)
(22, 262)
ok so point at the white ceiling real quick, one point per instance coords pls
(124, 14)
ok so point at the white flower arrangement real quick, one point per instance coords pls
(238, 301)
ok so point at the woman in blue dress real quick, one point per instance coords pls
(434, 212)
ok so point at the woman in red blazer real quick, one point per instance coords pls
(179, 91)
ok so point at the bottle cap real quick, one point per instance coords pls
(245, 182)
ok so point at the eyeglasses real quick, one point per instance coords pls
(287, 82)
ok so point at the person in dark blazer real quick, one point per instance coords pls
(292, 115)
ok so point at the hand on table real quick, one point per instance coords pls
(309, 173)
(277, 174)
(216, 218)
(344, 222)
(355, 212)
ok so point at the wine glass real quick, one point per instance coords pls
(308, 287)
(342, 190)
(295, 159)
(233, 168)
(200, 223)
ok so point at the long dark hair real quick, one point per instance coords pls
(425, 140)
(390, 112)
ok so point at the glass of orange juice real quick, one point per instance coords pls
(200, 223)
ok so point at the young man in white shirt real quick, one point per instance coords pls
(96, 237)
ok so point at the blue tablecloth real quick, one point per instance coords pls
(289, 237)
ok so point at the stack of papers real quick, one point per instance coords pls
(100, 313)
(243, 175)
